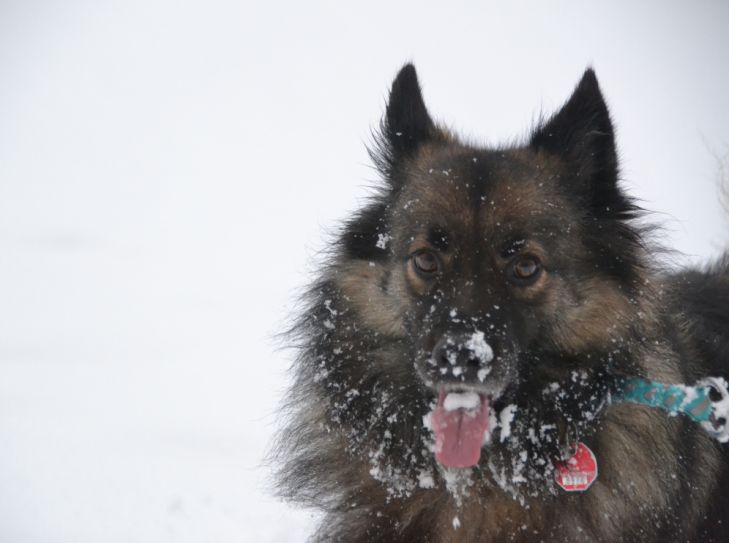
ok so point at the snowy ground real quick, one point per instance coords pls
(166, 173)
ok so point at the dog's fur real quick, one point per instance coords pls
(356, 445)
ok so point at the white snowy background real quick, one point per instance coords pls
(168, 171)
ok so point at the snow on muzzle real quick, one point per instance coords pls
(459, 358)
(458, 369)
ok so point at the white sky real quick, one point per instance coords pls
(168, 171)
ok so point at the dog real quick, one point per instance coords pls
(463, 340)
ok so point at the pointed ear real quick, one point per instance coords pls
(581, 133)
(407, 123)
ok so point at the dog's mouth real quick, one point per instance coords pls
(460, 422)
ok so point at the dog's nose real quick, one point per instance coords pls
(464, 357)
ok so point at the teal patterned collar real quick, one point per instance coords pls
(707, 402)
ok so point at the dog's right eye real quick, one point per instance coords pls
(425, 263)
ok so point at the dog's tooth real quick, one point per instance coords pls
(461, 400)
(427, 420)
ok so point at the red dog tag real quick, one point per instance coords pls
(578, 472)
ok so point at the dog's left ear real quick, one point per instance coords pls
(581, 133)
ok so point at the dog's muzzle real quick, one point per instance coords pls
(459, 359)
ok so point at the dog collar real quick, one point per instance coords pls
(707, 402)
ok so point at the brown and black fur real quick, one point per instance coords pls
(355, 445)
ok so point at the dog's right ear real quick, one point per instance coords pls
(407, 122)
(406, 125)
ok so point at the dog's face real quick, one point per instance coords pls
(495, 272)
(485, 245)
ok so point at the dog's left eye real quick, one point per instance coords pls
(525, 269)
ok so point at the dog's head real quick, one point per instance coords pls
(481, 278)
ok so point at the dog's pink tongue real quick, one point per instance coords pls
(459, 432)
